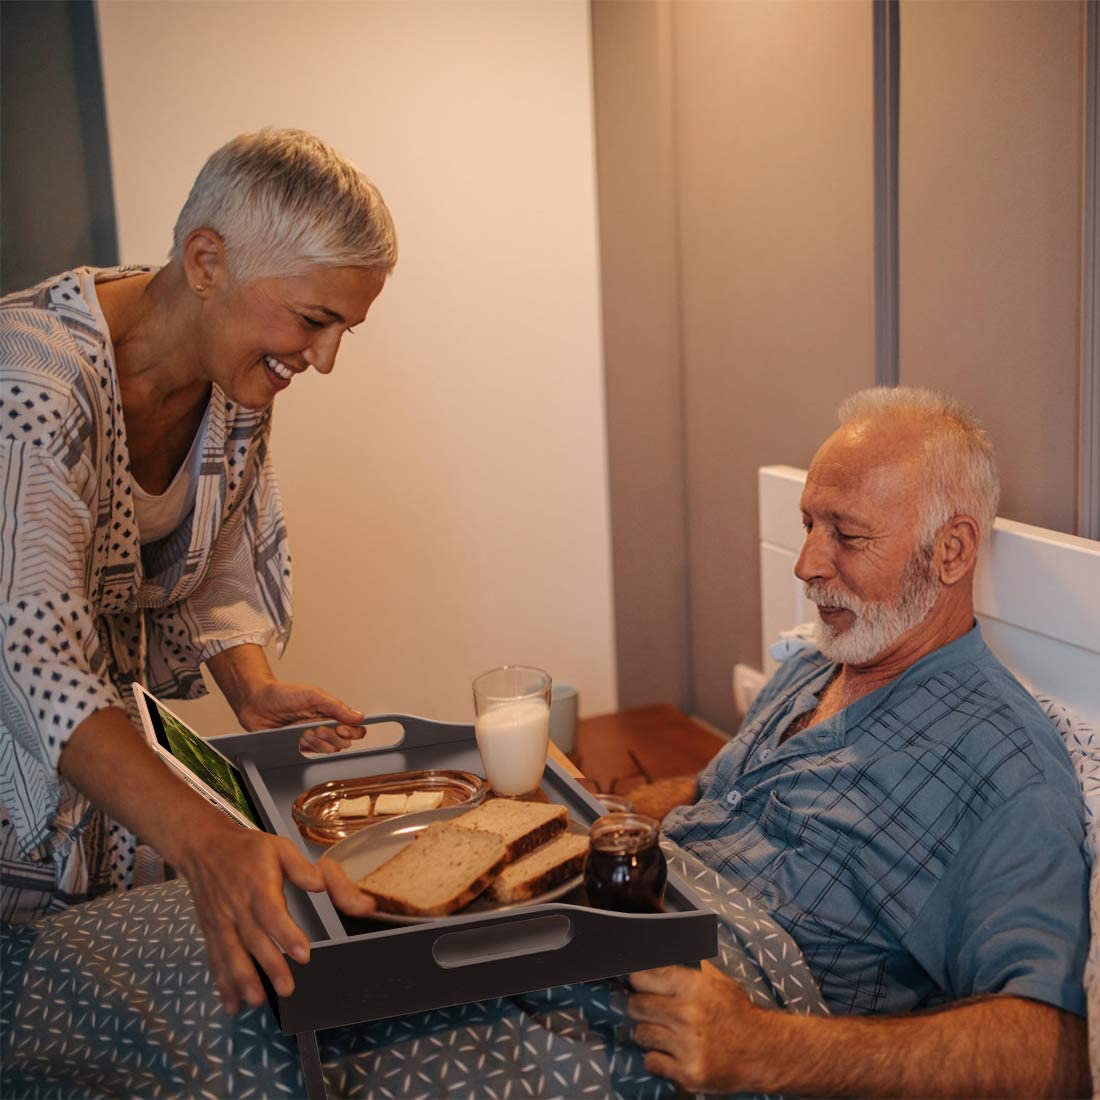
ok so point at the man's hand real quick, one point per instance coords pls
(236, 878)
(694, 1024)
(277, 703)
(703, 1032)
(656, 799)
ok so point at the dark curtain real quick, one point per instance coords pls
(56, 201)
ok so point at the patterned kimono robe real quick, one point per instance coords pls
(85, 609)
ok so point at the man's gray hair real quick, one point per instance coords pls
(284, 201)
(960, 470)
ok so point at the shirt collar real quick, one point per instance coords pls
(965, 648)
(831, 733)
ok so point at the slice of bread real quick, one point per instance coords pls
(441, 871)
(523, 826)
(542, 869)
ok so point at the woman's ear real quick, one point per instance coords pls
(204, 260)
(958, 545)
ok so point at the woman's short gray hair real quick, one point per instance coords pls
(960, 470)
(284, 201)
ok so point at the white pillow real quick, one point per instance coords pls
(1082, 741)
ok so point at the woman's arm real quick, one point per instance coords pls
(236, 874)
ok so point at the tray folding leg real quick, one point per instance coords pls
(310, 1057)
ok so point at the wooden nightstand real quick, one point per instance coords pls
(620, 751)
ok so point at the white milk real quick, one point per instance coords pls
(512, 739)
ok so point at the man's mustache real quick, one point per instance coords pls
(824, 596)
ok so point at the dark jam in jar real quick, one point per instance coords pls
(626, 868)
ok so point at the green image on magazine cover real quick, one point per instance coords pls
(193, 753)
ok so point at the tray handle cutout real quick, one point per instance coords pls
(502, 940)
(379, 736)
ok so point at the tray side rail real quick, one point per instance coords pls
(279, 747)
(548, 946)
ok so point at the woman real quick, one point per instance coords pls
(142, 535)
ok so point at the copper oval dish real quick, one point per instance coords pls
(320, 819)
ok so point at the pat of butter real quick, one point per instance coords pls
(391, 803)
(424, 800)
(355, 807)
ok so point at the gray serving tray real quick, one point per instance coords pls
(362, 970)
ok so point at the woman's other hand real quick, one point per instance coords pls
(281, 704)
(261, 702)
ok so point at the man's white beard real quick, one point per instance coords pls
(878, 624)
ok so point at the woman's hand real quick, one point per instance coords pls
(236, 878)
(236, 874)
(277, 703)
(261, 702)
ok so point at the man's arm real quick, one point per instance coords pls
(664, 795)
(702, 1031)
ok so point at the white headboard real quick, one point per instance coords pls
(1036, 593)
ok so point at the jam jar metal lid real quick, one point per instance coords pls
(624, 832)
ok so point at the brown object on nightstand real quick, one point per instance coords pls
(621, 751)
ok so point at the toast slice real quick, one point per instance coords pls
(441, 871)
(523, 826)
(541, 870)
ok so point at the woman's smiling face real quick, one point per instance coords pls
(256, 336)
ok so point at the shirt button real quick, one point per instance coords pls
(733, 799)
(765, 755)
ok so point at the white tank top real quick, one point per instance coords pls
(160, 515)
(157, 515)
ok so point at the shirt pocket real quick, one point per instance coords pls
(796, 829)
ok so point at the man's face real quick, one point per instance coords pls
(861, 563)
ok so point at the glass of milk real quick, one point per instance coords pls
(512, 721)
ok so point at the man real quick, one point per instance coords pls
(897, 801)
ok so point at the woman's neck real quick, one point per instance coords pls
(148, 317)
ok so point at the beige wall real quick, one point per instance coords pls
(446, 486)
(774, 123)
(773, 178)
(989, 230)
(635, 139)
(772, 140)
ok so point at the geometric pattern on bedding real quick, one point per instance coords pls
(1082, 741)
(114, 998)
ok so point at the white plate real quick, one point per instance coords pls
(368, 849)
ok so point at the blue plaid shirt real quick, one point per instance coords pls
(921, 846)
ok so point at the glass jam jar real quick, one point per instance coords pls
(626, 868)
